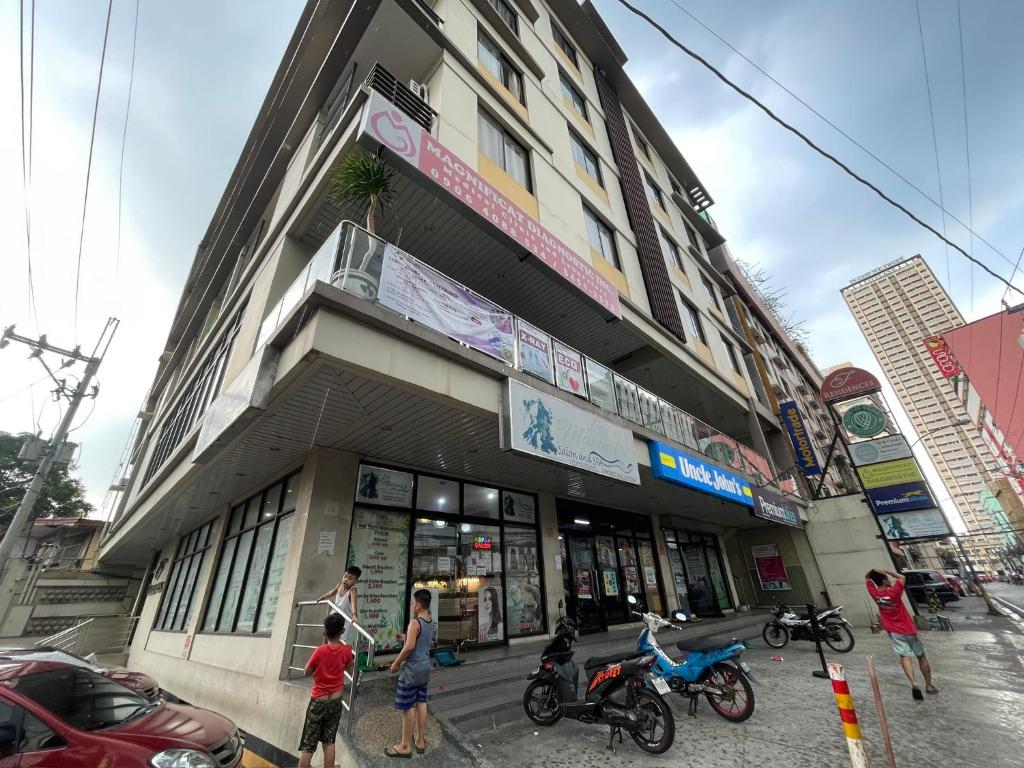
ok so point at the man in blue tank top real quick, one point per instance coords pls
(414, 663)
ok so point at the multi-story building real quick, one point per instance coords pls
(898, 306)
(520, 389)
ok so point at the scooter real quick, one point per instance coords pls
(834, 629)
(707, 668)
(619, 692)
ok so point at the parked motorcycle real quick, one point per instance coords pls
(834, 629)
(707, 668)
(619, 692)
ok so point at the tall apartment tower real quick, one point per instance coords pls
(897, 306)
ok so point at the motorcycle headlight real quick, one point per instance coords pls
(182, 758)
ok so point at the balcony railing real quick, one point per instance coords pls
(352, 259)
(388, 86)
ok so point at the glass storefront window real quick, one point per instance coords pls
(434, 494)
(697, 572)
(524, 604)
(478, 501)
(649, 573)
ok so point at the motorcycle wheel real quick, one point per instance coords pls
(540, 700)
(839, 638)
(775, 635)
(736, 704)
(659, 730)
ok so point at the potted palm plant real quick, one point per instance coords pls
(364, 179)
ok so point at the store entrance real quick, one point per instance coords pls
(697, 572)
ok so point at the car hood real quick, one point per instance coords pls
(133, 680)
(181, 725)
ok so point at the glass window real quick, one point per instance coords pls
(180, 586)
(655, 192)
(80, 697)
(524, 604)
(497, 64)
(730, 350)
(693, 319)
(671, 250)
(709, 289)
(217, 596)
(435, 494)
(641, 144)
(504, 151)
(562, 41)
(628, 401)
(275, 574)
(254, 583)
(600, 385)
(601, 238)
(579, 103)
(693, 237)
(479, 501)
(507, 14)
(585, 158)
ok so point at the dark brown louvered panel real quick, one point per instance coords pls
(652, 260)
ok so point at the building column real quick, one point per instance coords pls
(547, 517)
(673, 601)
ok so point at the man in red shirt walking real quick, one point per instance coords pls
(327, 665)
(886, 589)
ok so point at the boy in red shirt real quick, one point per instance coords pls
(897, 621)
(327, 665)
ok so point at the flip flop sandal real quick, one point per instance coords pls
(420, 750)
(932, 689)
(918, 696)
(392, 752)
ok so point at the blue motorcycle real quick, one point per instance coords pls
(706, 667)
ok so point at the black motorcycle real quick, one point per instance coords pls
(617, 693)
(833, 629)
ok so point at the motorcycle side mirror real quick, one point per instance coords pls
(631, 600)
(680, 616)
(561, 605)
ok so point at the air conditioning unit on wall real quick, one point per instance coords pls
(420, 89)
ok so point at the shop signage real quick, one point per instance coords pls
(890, 473)
(682, 468)
(771, 571)
(518, 507)
(771, 506)
(864, 420)
(569, 370)
(546, 427)
(389, 487)
(943, 358)
(925, 523)
(534, 352)
(899, 498)
(847, 382)
(379, 544)
(883, 449)
(387, 126)
(411, 288)
(806, 459)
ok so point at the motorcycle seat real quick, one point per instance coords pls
(704, 644)
(600, 661)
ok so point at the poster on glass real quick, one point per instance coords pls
(534, 351)
(388, 487)
(490, 622)
(770, 569)
(569, 370)
(584, 589)
(525, 605)
(518, 508)
(611, 583)
(380, 545)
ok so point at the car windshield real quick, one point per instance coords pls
(82, 698)
(61, 656)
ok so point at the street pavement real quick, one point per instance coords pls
(976, 719)
(1009, 596)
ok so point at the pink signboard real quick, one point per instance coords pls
(393, 129)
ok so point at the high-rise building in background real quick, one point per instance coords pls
(898, 306)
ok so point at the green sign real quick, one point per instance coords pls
(864, 420)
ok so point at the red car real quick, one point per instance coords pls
(139, 682)
(55, 715)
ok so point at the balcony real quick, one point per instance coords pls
(369, 267)
(381, 80)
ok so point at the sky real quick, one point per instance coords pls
(202, 70)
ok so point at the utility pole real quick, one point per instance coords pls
(75, 397)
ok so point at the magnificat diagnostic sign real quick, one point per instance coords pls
(806, 459)
(682, 468)
(391, 128)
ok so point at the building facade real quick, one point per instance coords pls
(897, 307)
(522, 388)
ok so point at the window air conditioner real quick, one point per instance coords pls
(420, 89)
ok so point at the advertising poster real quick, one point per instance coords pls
(626, 552)
(611, 583)
(518, 507)
(632, 580)
(900, 498)
(525, 606)
(389, 487)
(490, 622)
(806, 458)
(883, 449)
(605, 553)
(890, 473)
(569, 370)
(534, 351)
(650, 578)
(380, 546)
(600, 385)
(584, 589)
(413, 289)
(770, 568)
(924, 523)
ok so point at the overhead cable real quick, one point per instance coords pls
(967, 147)
(124, 137)
(26, 141)
(828, 156)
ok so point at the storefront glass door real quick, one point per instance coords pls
(697, 572)
(584, 586)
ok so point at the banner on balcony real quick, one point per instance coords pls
(534, 352)
(386, 125)
(569, 370)
(411, 288)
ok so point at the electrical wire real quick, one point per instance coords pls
(844, 134)
(124, 137)
(88, 166)
(832, 158)
(935, 140)
(967, 144)
(17, 392)
(26, 142)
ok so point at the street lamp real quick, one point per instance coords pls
(963, 421)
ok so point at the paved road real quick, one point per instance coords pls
(977, 719)
(1010, 596)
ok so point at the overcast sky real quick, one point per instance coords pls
(202, 70)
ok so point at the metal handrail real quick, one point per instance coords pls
(71, 633)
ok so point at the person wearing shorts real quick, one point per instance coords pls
(327, 666)
(886, 589)
(413, 666)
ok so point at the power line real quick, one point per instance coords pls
(967, 144)
(26, 142)
(935, 141)
(845, 135)
(845, 168)
(88, 166)
(17, 392)
(124, 137)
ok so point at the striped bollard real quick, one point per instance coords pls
(848, 715)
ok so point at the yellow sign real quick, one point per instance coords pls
(890, 473)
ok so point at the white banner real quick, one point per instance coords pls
(547, 427)
(922, 523)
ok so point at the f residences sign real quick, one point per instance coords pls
(677, 466)
(806, 459)
(848, 382)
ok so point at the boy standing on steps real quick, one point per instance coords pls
(327, 665)
(896, 620)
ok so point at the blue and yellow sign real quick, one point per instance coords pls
(682, 468)
(806, 458)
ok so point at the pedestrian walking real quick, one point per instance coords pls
(886, 589)
(345, 595)
(327, 666)
(414, 663)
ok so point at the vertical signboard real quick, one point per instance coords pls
(942, 357)
(806, 458)
(380, 546)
